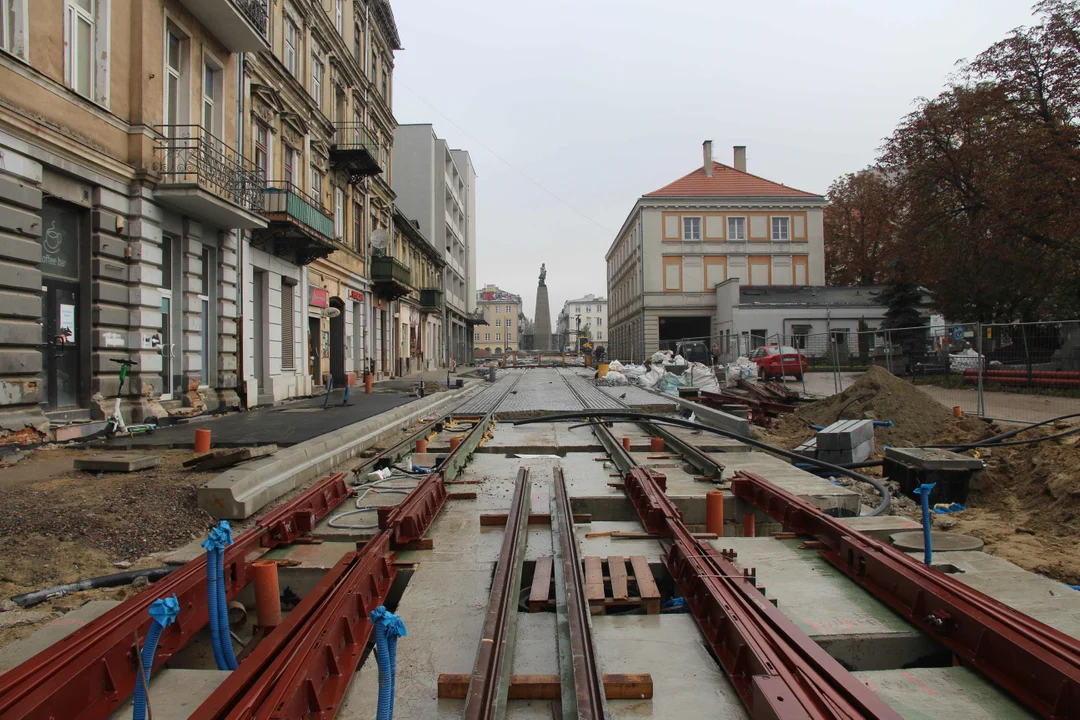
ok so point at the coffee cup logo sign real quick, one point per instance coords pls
(54, 240)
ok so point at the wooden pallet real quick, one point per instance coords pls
(610, 583)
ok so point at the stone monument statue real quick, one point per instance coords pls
(542, 323)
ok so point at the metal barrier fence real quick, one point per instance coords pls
(1027, 372)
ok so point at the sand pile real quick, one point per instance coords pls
(878, 395)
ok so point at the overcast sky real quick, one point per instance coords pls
(572, 109)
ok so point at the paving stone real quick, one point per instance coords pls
(117, 462)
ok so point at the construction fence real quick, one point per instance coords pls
(1027, 372)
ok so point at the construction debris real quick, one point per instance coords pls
(117, 462)
(228, 457)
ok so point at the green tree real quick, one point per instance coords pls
(860, 228)
(903, 298)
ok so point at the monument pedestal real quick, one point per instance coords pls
(542, 324)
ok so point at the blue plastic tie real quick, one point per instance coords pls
(883, 423)
(164, 612)
(388, 628)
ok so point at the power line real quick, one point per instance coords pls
(501, 158)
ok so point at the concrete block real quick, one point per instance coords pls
(117, 462)
(881, 527)
(845, 434)
(18, 276)
(933, 459)
(20, 166)
(20, 304)
(21, 221)
(20, 332)
(21, 249)
(20, 362)
(20, 193)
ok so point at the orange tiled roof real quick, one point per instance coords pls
(726, 182)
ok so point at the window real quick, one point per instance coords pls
(12, 29)
(339, 15)
(487, 337)
(262, 153)
(291, 37)
(509, 337)
(691, 228)
(385, 84)
(288, 319)
(339, 214)
(292, 166)
(211, 117)
(588, 308)
(799, 334)
(357, 43)
(476, 336)
(175, 77)
(599, 336)
(374, 65)
(80, 46)
(599, 321)
(498, 309)
(781, 229)
(508, 322)
(498, 337)
(508, 309)
(316, 79)
(316, 185)
(577, 309)
(498, 323)
(358, 230)
(736, 229)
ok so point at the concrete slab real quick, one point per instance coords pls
(933, 459)
(1040, 597)
(444, 606)
(175, 694)
(949, 692)
(117, 462)
(687, 682)
(18, 618)
(939, 541)
(315, 561)
(881, 527)
(808, 486)
(22, 650)
(535, 439)
(840, 616)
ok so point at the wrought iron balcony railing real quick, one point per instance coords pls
(284, 198)
(386, 269)
(354, 136)
(431, 298)
(255, 11)
(189, 155)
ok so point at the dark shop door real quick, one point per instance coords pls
(62, 371)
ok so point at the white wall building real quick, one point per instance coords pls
(715, 224)
(593, 314)
(436, 186)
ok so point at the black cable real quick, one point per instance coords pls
(1012, 443)
(635, 416)
(125, 578)
(1018, 431)
(850, 403)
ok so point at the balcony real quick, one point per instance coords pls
(354, 152)
(475, 318)
(391, 278)
(240, 25)
(431, 299)
(300, 228)
(204, 178)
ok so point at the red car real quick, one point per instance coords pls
(776, 361)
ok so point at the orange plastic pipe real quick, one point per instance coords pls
(749, 528)
(714, 512)
(267, 595)
(421, 446)
(202, 440)
(656, 444)
(626, 444)
(454, 442)
(368, 381)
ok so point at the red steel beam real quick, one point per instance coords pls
(1038, 665)
(778, 671)
(88, 674)
(409, 521)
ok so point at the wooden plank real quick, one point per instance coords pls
(646, 584)
(638, 686)
(594, 579)
(617, 573)
(496, 519)
(539, 596)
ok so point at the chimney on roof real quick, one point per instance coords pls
(706, 150)
(740, 158)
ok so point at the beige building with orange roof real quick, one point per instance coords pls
(678, 243)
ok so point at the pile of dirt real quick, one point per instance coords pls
(61, 524)
(877, 395)
(1026, 504)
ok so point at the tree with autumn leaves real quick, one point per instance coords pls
(978, 189)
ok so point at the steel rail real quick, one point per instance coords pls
(1038, 665)
(778, 671)
(583, 697)
(490, 684)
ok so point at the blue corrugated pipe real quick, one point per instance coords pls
(163, 611)
(388, 628)
(928, 550)
(223, 603)
(214, 579)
